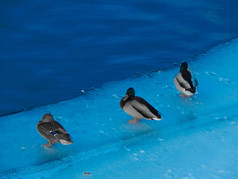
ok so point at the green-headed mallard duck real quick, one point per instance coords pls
(138, 108)
(185, 82)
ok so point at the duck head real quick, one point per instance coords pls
(184, 67)
(129, 93)
(47, 118)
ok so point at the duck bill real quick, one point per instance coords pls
(126, 97)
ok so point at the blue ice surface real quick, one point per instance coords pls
(51, 50)
(197, 137)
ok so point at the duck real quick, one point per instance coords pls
(138, 108)
(53, 131)
(185, 82)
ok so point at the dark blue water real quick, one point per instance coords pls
(51, 50)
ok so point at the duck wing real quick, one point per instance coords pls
(187, 81)
(59, 128)
(45, 127)
(194, 82)
(51, 128)
(182, 84)
(62, 135)
(144, 108)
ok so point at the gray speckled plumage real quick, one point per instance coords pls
(53, 131)
(138, 108)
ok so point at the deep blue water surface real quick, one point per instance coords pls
(51, 50)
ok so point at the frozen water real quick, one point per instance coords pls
(197, 137)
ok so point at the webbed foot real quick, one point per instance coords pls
(48, 145)
(183, 95)
(133, 121)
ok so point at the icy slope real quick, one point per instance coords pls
(197, 137)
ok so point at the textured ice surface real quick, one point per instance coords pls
(197, 137)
